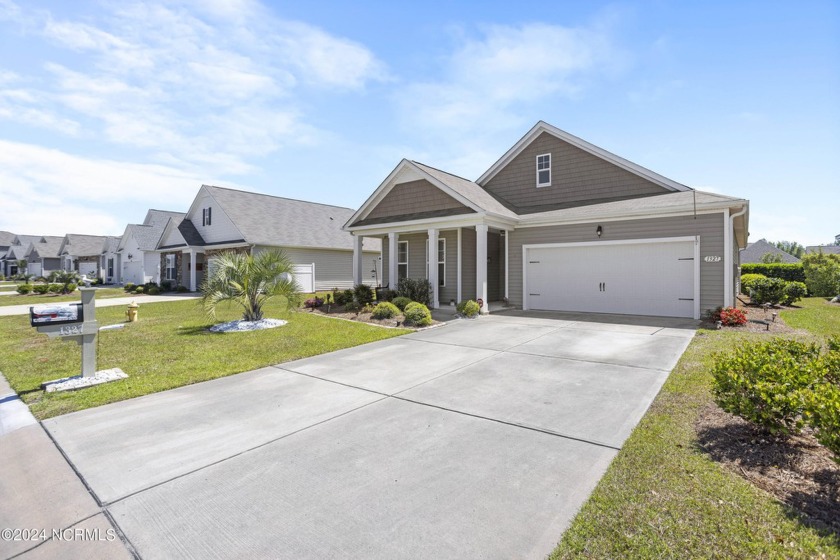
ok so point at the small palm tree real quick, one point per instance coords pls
(250, 281)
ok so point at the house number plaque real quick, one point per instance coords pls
(712, 258)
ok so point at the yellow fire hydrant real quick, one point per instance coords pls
(131, 312)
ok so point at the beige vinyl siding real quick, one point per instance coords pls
(708, 226)
(495, 267)
(576, 177)
(333, 268)
(450, 291)
(385, 261)
(416, 254)
(415, 196)
(221, 228)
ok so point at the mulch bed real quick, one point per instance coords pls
(796, 470)
(758, 319)
(338, 311)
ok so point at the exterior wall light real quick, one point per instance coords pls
(599, 231)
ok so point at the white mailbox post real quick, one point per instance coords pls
(74, 322)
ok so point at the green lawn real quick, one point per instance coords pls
(35, 299)
(169, 347)
(662, 497)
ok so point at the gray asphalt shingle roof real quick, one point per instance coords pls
(6, 238)
(826, 249)
(79, 245)
(754, 252)
(284, 222)
(148, 234)
(49, 249)
(469, 190)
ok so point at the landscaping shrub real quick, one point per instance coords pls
(748, 280)
(468, 308)
(40, 289)
(24, 289)
(418, 290)
(768, 290)
(129, 287)
(182, 289)
(792, 272)
(312, 303)
(54, 288)
(384, 294)
(401, 302)
(729, 316)
(385, 310)
(139, 289)
(340, 298)
(793, 292)
(352, 307)
(822, 274)
(767, 383)
(166, 285)
(152, 290)
(363, 294)
(823, 415)
(417, 314)
(70, 288)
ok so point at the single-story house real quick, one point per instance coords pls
(6, 240)
(81, 253)
(308, 232)
(138, 257)
(109, 263)
(826, 249)
(16, 252)
(43, 257)
(754, 252)
(560, 224)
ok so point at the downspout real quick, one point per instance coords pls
(731, 264)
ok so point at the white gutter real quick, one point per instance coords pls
(728, 251)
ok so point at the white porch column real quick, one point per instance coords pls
(193, 258)
(393, 240)
(433, 266)
(481, 266)
(357, 259)
(460, 299)
(507, 261)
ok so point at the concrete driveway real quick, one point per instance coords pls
(479, 439)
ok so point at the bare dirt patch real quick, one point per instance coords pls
(797, 470)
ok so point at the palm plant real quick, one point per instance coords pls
(249, 281)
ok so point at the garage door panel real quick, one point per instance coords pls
(655, 278)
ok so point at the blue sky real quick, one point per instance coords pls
(108, 109)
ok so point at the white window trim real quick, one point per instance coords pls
(172, 268)
(399, 262)
(537, 163)
(441, 277)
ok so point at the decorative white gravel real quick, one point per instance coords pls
(79, 382)
(242, 326)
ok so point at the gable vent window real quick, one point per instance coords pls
(206, 216)
(544, 170)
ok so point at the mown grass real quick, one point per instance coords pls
(169, 347)
(663, 497)
(816, 315)
(37, 299)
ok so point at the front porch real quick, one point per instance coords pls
(469, 262)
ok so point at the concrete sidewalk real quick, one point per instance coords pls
(47, 512)
(10, 310)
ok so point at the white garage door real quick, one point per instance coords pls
(632, 278)
(87, 269)
(34, 269)
(305, 277)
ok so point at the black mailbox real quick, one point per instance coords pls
(56, 314)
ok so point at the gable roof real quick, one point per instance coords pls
(24, 240)
(463, 190)
(542, 127)
(6, 238)
(80, 245)
(284, 222)
(46, 248)
(754, 251)
(112, 243)
(159, 218)
(149, 234)
(186, 234)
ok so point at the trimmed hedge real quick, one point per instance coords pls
(385, 310)
(792, 272)
(822, 274)
(468, 308)
(417, 314)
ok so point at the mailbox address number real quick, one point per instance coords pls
(70, 330)
(712, 258)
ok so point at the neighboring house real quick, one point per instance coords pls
(557, 224)
(109, 264)
(17, 252)
(138, 257)
(6, 239)
(309, 233)
(754, 252)
(826, 249)
(43, 256)
(81, 253)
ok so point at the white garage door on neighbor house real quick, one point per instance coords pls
(636, 277)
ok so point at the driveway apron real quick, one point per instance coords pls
(478, 439)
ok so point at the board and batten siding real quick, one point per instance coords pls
(333, 268)
(708, 226)
(221, 228)
(576, 177)
(414, 196)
